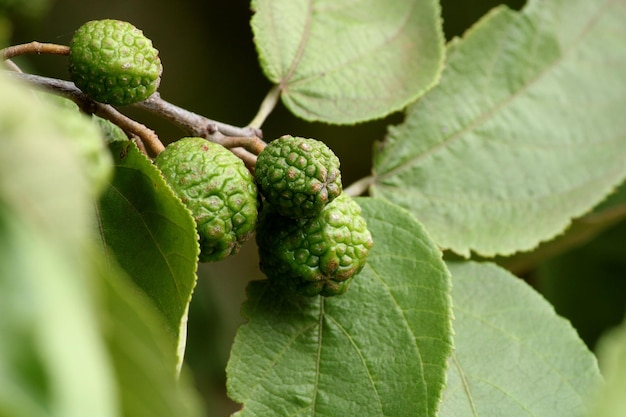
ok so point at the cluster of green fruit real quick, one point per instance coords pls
(311, 236)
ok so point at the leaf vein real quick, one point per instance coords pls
(370, 378)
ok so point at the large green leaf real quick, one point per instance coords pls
(345, 61)
(524, 132)
(152, 236)
(49, 343)
(378, 350)
(513, 355)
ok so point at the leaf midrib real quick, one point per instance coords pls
(306, 33)
(386, 41)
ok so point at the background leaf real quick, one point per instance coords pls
(609, 401)
(345, 61)
(380, 349)
(152, 236)
(513, 355)
(524, 132)
(608, 214)
(587, 284)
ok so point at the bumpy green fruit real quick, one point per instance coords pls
(298, 176)
(113, 62)
(217, 188)
(316, 255)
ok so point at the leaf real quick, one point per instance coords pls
(49, 343)
(142, 356)
(151, 235)
(77, 338)
(44, 136)
(379, 349)
(60, 331)
(513, 355)
(614, 205)
(609, 401)
(524, 132)
(346, 61)
(50, 340)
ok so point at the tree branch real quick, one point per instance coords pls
(69, 90)
(245, 142)
(191, 122)
(34, 48)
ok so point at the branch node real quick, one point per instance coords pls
(212, 128)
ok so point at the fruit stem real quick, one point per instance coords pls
(250, 143)
(267, 106)
(34, 48)
(249, 159)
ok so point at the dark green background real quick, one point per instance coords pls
(210, 67)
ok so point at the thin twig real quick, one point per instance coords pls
(248, 158)
(245, 142)
(191, 122)
(145, 135)
(252, 144)
(34, 48)
(88, 105)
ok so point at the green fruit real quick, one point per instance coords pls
(217, 188)
(113, 62)
(298, 176)
(317, 255)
